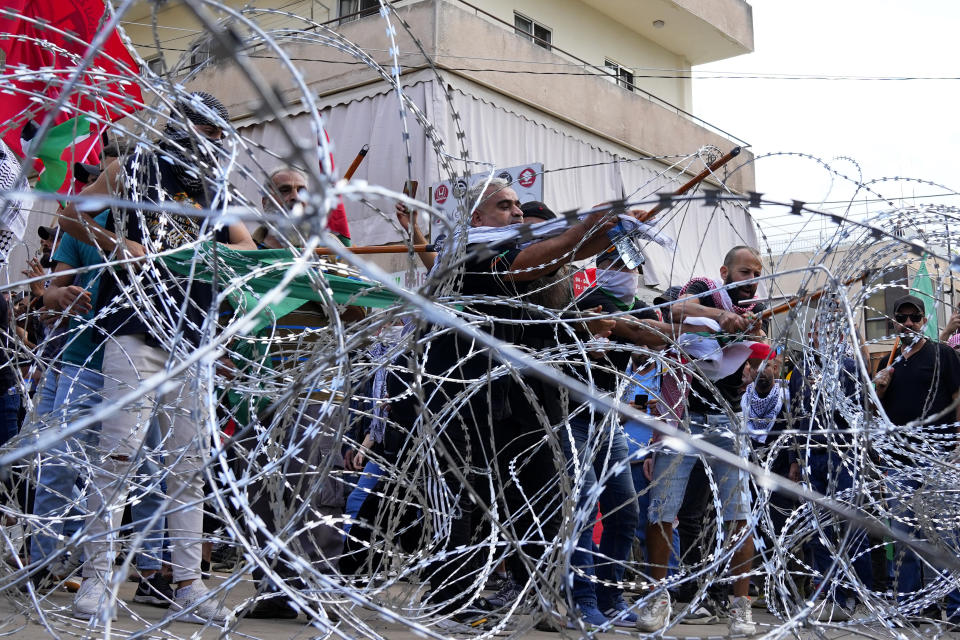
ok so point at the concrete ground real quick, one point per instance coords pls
(19, 620)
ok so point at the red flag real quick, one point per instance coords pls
(43, 42)
(337, 221)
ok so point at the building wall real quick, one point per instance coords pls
(588, 34)
(177, 28)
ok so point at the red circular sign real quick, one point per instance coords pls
(527, 177)
(440, 195)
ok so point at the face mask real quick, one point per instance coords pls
(622, 284)
(190, 168)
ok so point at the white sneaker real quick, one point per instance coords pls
(832, 612)
(741, 617)
(655, 613)
(192, 600)
(92, 600)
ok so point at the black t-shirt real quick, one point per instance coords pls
(8, 337)
(923, 385)
(703, 399)
(450, 354)
(152, 179)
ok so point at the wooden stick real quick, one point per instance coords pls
(390, 248)
(893, 352)
(810, 297)
(700, 177)
(356, 162)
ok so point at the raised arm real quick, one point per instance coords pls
(81, 225)
(587, 238)
(408, 221)
(240, 238)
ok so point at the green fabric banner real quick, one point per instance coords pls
(271, 266)
(923, 288)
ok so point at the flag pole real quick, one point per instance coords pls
(390, 248)
(697, 179)
(352, 169)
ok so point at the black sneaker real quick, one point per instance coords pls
(508, 593)
(155, 591)
(703, 613)
(225, 558)
(496, 581)
(41, 580)
(272, 608)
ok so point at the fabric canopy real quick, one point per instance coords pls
(262, 271)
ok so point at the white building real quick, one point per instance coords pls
(590, 88)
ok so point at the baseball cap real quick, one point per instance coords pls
(46, 233)
(914, 300)
(534, 209)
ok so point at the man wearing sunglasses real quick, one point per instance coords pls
(920, 391)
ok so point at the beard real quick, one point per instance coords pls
(738, 294)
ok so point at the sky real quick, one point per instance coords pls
(890, 128)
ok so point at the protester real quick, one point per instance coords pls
(140, 348)
(598, 444)
(670, 471)
(317, 542)
(832, 456)
(58, 505)
(496, 428)
(920, 392)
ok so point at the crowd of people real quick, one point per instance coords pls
(506, 470)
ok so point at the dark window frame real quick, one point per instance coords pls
(620, 74)
(536, 32)
(350, 10)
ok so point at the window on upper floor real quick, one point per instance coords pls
(619, 74)
(532, 30)
(199, 53)
(155, 64)
(356, 9)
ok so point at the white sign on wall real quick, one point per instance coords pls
(526, 180)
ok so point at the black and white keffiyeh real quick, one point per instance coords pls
(13, 210)
(761, 411)
(179, 141)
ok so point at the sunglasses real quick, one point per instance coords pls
(902, 317)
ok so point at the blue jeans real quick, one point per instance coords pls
(908, 568)
(47, 395)
(59, 503)
(618, 503)
(829, 476)
(641, 484)
(368, 479)
(10, 408)
(671, 472)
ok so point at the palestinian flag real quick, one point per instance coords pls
(43, 43)
(75, 140)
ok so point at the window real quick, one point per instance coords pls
(199, 54)
(155, 64)
(619, 74)
(356, 9)
(532, 30)
(879, 307)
